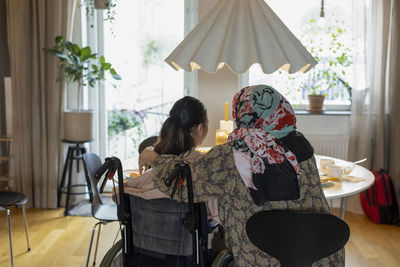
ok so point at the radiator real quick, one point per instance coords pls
(330, 145)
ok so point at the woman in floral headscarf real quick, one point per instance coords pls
(265, 165)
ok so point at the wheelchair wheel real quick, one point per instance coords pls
(224, 259)
(114, 256)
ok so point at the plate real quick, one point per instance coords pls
(352, 178)
(131, 173)
(322, 172)
(327, 184)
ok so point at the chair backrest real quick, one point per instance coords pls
(297, 238)
(157, 226)
(92, 163)
(147, 142)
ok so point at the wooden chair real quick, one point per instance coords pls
(5, 160)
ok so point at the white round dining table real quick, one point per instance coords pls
(347, 188)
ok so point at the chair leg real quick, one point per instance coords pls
(91, 242)
(26, 227)
(9, 236)
(97, 245)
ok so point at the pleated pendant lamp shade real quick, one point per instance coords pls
(239, 33)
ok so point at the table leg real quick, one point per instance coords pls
(343, 204)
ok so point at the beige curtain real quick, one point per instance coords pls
(375, 123)
(37, 96)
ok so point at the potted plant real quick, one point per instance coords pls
(313, 85)
(84, 68)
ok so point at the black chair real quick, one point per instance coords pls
(102, 212)
(10, 199)
(297, 238)
(150, 141)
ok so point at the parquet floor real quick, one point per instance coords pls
(63, 241)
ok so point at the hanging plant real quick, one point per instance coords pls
(107, 5)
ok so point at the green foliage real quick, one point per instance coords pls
(120, 120)
(333, 54)
(79, 64)
(126, 126)
(152, 51)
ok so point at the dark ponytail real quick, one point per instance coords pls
(175, 135)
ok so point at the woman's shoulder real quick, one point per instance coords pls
(192, 155)
(219, 151)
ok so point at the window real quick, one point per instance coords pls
(136, 43)
(328, 39)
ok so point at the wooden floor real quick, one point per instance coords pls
(63, 241)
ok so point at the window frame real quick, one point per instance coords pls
(96, 97)
(244, 80)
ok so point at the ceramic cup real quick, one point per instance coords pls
(334, 171)
(326, 162)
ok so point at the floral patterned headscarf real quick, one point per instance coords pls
(262, 116)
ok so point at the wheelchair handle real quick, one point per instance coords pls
(174, 174)
(106, 166)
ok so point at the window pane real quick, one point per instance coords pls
(329, 40)
(136, 43)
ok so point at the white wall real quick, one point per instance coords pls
(323, 124)
(215, 89)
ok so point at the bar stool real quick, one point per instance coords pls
(76, 149)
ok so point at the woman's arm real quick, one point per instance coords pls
(146, 159)
(208, 173)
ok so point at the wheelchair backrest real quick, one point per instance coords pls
(157, 226)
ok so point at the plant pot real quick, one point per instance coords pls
(102, 4)
(78, 125)
(315, 103)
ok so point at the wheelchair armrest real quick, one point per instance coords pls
(211, 225)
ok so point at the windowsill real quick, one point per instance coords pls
(325, 112)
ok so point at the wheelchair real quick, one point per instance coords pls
(162, 232)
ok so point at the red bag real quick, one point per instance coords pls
(379, 201)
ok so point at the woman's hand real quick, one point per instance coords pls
(146, 159)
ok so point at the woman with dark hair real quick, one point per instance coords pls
(265, 165)
(185, 128)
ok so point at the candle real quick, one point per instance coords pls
(220, 137)
(226, 125)
(226, 111)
